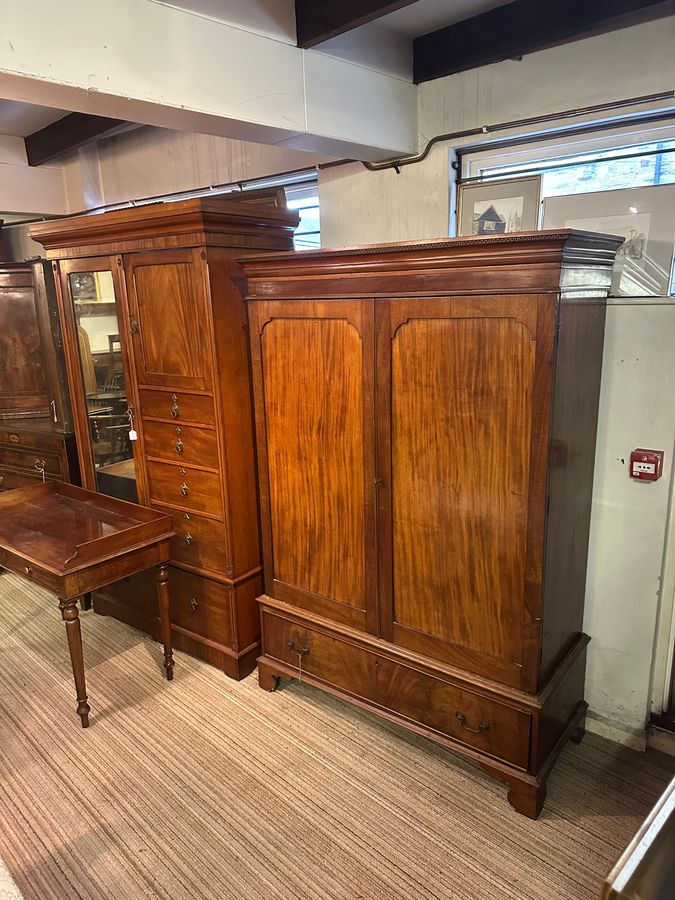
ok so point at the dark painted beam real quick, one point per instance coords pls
(69, 133)
(521, 27)
(319, 20)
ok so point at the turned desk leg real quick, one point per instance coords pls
(165, 616)
(72, 619)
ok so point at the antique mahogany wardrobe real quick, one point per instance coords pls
(36, 433)
(426, 418)
(154, 331)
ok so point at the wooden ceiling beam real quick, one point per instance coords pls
(319, 20)
(521, 27)
(70, 133)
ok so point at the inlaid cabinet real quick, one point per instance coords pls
(36, 435)
(426, 418)
(154, 326)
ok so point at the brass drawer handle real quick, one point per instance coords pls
(188, 539)
(179, 446)
(483, 726)
(175, 409)
(184, 490)
(193, 604)
(301, 655)
(40, 464)
(133, 325)
(27, 570)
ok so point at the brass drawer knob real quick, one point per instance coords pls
(27, 570)
(188, 539)
(175, 409)
(184, 490)
(193, 604)
(483, 726)
(179, 446)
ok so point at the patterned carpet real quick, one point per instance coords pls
(206, 788)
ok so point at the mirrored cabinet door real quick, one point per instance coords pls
(109, 411)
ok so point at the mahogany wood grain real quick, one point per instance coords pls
(23, 386)
(176, 407)
(169, 350)
(199, 542)
(318, 408)
(460, 398)
(186, 444)
(185, 487)
(202, 607)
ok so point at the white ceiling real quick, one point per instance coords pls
(429, 15)
(22, 119)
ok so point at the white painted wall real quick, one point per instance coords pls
(628, 526)
(24, 189)
(150, 161)
(638, 388)
(416, 204)
(158, 64)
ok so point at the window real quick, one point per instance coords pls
(608, 161)
(305, 199)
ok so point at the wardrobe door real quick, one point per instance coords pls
(464, 398)
(313, 376)
(169, 318)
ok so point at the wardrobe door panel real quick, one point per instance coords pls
(169, 319)
(462, 384)
(317, 364)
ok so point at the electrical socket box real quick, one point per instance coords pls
(646, 465)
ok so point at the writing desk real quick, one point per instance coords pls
(72, 541)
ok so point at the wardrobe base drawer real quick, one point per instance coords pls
(367, 673)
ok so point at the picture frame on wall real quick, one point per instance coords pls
(499, 207)
(643, 216)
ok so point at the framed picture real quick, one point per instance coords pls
(499, 207)
(644, 217)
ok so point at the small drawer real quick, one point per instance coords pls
(188, 489)
(487, 725)
(187, 443)
(30, 459)
(180, 407)
(10, 479)
(198, 542)
(200, 606)
(29, 571)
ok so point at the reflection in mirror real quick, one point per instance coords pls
(108, 410)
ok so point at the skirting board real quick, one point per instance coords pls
(636, 738)
(660, 739)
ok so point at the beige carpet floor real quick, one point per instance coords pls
(206, 788)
